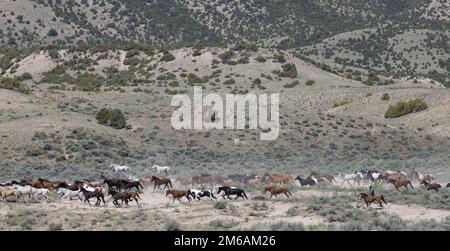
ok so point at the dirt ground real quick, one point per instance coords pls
(157, 212)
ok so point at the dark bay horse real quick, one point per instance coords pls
(97, 194)
(431, 186)
(305, 182)
(161, 181)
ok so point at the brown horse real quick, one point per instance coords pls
(6, 192)
(161, 181)
(50, 185)
(177, 194)
(368, 199)
(134, 196)
(279, 179)
(400, 183)
(431, 186)
(33, 183)
(277, 190)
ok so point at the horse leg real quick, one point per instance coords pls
(271, 196)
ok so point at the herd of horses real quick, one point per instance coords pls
(124, 191)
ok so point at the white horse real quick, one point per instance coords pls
(118, 168)
(350, 177)
(63, 192)
(160, 169)
(24, 190)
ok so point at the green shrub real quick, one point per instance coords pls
(226, 56)
(14, 85)
(405, 107)
(113, 118)
(229, 82)
(102, 116)
(288, 71)
(260, 59)
(117, 119)
(280, 58)
(196, 53)
(52, 33)
(174, 84)
(385, 96)
(310, 82)
(220, 205)
(292, 85)
(25, 76)
(243, 60)
(172, 225)
(287, 226)
(167, 57)
(194, 79)
(87, 82)
(166, 76)
(55, 227)
(131, 53)
(341, 103)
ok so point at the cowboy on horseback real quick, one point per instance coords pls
(371, 191)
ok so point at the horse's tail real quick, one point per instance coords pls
(289, 192)
(245, 195)
(170, 183)
(139, 197)
(382, 198)
(409, 182)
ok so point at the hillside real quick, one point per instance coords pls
(398, 38)
(327, 120)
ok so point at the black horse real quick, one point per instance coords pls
(305, 182)
(118, 183)
(63, 184)
(130, 184)
(232, 191)
(97, 194)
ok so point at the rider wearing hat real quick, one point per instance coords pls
(371, 191)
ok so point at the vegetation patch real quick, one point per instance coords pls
(405, 107)
(111, 117)
(14, 85)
